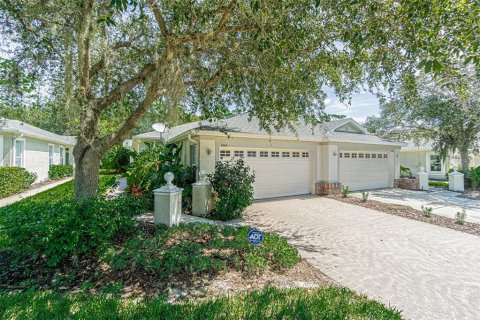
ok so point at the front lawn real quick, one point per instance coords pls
(325, 303)
(61, 259)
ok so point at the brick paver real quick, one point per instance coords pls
(427, 271)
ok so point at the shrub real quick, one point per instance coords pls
(460, 217)
(345, 191)
(60, 171)
(15, 179)
(200, 248)
(233, 183)
(405, 172)
(427, 211)
(117, 158)
(62, 230)
(146, 173)
(438, 184)
(474, 176)
(365, 195)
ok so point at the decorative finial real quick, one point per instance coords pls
(202, 175)
(169, 178)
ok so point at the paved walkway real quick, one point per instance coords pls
(444, 202)
(19, 196)
(427, 271)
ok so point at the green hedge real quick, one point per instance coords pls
(59, 171)
(14, 179)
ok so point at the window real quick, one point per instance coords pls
(340, 155)
(251, 154)
(67, 156)
(263, 154)
(354, 155)
(379, 156)
(19, 153)
(285, 154)
(374, 155)
(305, 154)
(367, 155)
(50, 155)
(347, 155)
(193, 155)
(435, 163)
(385, 156)
(360, 155)
(238, 153)
(62, 155)
(275, 154)
(225, 153)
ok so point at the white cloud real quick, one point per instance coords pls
(362, 105)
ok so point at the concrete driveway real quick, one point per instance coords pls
(445, 203)
(427, 271)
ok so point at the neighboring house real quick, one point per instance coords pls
(312, 160)
(35, 149)
(416, 156)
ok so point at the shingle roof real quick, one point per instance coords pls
(242, 124)
(26, 129)
(422, 145)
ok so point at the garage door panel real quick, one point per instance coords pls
(364, 173)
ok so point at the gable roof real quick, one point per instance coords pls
(22, 128)
(422, 145)
(242, 124)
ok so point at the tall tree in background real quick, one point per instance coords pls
(444, 110)
(111, 60)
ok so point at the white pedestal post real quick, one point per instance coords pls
(201, 196)
(168, 203)
(422, 178)
(456, 181)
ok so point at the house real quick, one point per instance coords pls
(308, 160)
(416, 156)
(35, 149)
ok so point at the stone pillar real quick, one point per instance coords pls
(456, 181)
(201, 196)
(168, 203)
(422, 178)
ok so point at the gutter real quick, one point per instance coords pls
(23, 134)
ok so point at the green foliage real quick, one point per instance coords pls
(405, 172)
(117, 158)
(438, 184)
(427, 211)
(365, 195)
(196, 248)
(333, 303)
(460, 217)
(233, 183)
(54, 227)
(473, 175)
(345, 191)
(60, 171)
(15, 179)
(146, 173)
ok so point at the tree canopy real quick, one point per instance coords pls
(106, 63)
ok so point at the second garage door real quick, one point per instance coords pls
(278, 172)
(364, 170)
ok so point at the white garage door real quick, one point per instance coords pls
(278, 172)
(364, 170)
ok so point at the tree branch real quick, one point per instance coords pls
(99, 65)
(226, 15)
(124, 87)
(158, 16)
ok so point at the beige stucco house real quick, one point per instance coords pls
(416, 156)
(35, 149)
(310, 160)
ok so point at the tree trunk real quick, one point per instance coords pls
(465, 159)
(87, 166)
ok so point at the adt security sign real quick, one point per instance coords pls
(255, 237)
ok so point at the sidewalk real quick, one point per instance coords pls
(22, 195)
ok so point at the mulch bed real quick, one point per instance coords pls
(471, 194)
(411, 213)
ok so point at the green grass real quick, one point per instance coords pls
(438, 184)
(326, 303)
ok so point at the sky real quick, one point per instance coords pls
(362, 105)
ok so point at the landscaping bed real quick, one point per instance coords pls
(411, 213)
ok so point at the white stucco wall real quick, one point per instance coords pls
(415, 160)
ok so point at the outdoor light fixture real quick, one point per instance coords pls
(209, 151)
(334, 154)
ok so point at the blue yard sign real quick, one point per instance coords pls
(255, 237)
